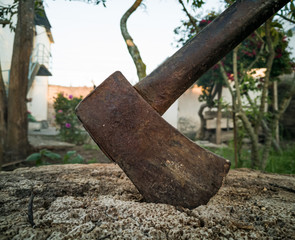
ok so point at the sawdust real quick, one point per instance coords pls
(98, 201)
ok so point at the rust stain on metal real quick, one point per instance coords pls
(125, 121)
(164, 165)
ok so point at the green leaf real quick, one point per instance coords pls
(289, 33)
(52, 155)
(68, 156)
(70, 153)
(77, 159)
(38, 162)
(34, 157)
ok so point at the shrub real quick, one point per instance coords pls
(42, 157)
(70, 127)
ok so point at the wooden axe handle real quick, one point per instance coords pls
(171, 79)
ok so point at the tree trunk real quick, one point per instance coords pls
(270, 58)
(255, 163)
(275, 108)
(235, 138)
(132, 48)
(201, 132)
(17, 129)
(219, 116)
(3, 117)
(234, 110)
(247, 124)
(269, 136)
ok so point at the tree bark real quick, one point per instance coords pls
(269, 136)
(235, 138)
(264, 126)
(201, 132)
(132, 48)
(3, 117)
(264, 95)
(240, 113)
(254, 140)
(219, 116)
(17, 129)
(275, 108)
(234, 110)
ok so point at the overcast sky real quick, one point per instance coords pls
(88, 43)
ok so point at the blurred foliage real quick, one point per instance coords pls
(69, 125)
(41, 157)
(72, 157)
(8, 11)
(44, 156)
(251, 50)
(278, 163)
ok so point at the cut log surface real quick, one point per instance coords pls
(98, 201)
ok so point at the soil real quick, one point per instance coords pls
(98, 201)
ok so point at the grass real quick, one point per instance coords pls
(277, 163)
(282, 163)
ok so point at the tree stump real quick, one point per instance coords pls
(98, 201)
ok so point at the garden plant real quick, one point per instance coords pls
(69, 125)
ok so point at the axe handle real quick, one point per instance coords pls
(171, 79)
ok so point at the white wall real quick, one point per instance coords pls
(6, 43)
(41, 38)
(188, 108)
(171, 114)
(38, 93)
(39, 90)
(6, 46)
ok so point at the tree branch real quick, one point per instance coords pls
(236, 79)
(4, 21)
(269, 63)
(258, 56)
(287, 19)
(132, 48)
(191, 18)
(225, 78)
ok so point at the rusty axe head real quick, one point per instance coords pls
(164, 165)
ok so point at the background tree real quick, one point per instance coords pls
(14, 142)
(132, 48)
(270, 42)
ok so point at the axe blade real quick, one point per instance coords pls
(164, 165)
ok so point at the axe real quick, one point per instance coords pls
(125, 121)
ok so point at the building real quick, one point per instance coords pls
(39, 69)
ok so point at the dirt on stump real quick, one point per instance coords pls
(98, 201)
